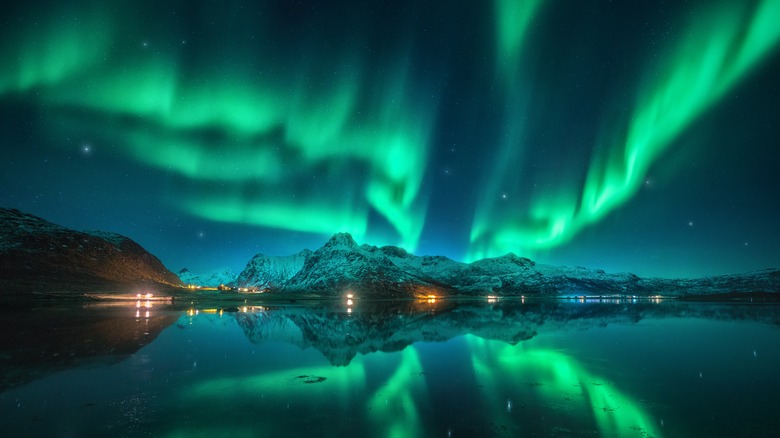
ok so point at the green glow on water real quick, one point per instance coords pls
(723, 44)
(280, 384)
(389, 391)
(395, 409)
(392, 408)
(553, 378)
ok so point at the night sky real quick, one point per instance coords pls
(630, 135)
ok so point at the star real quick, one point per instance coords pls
(690, 224)
(86, 148)
(201, 234)
(504, 196)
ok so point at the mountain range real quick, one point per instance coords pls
(41, 257)
(342, 266)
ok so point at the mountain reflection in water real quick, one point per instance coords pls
(392, 326)
(41, 340)
(409, 368)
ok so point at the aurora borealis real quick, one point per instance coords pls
(629, 137)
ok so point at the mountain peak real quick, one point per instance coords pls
(341, 239)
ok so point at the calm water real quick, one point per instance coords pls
(511, 368)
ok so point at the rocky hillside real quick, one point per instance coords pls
(342, 265)
(39, 256)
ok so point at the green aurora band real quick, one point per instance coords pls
(717, 50)
(312, 146)
(338, 141)
(512, 21)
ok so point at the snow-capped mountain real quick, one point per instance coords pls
(39, 256)
(271, 272)
(209, 279)
(342, 265)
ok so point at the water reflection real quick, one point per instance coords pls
(40, 341)
(392, 394)
(555, 379)
(391, 326)
(509, 367)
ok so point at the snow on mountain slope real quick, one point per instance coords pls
(271, 271)
(341, 265)
(209, 279)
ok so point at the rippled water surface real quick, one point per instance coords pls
(475, 368)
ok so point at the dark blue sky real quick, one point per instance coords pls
(634, 136)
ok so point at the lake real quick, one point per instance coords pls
(447, 368)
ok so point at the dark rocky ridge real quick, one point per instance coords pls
(39, 256)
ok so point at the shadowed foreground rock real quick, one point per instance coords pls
(39, 257)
